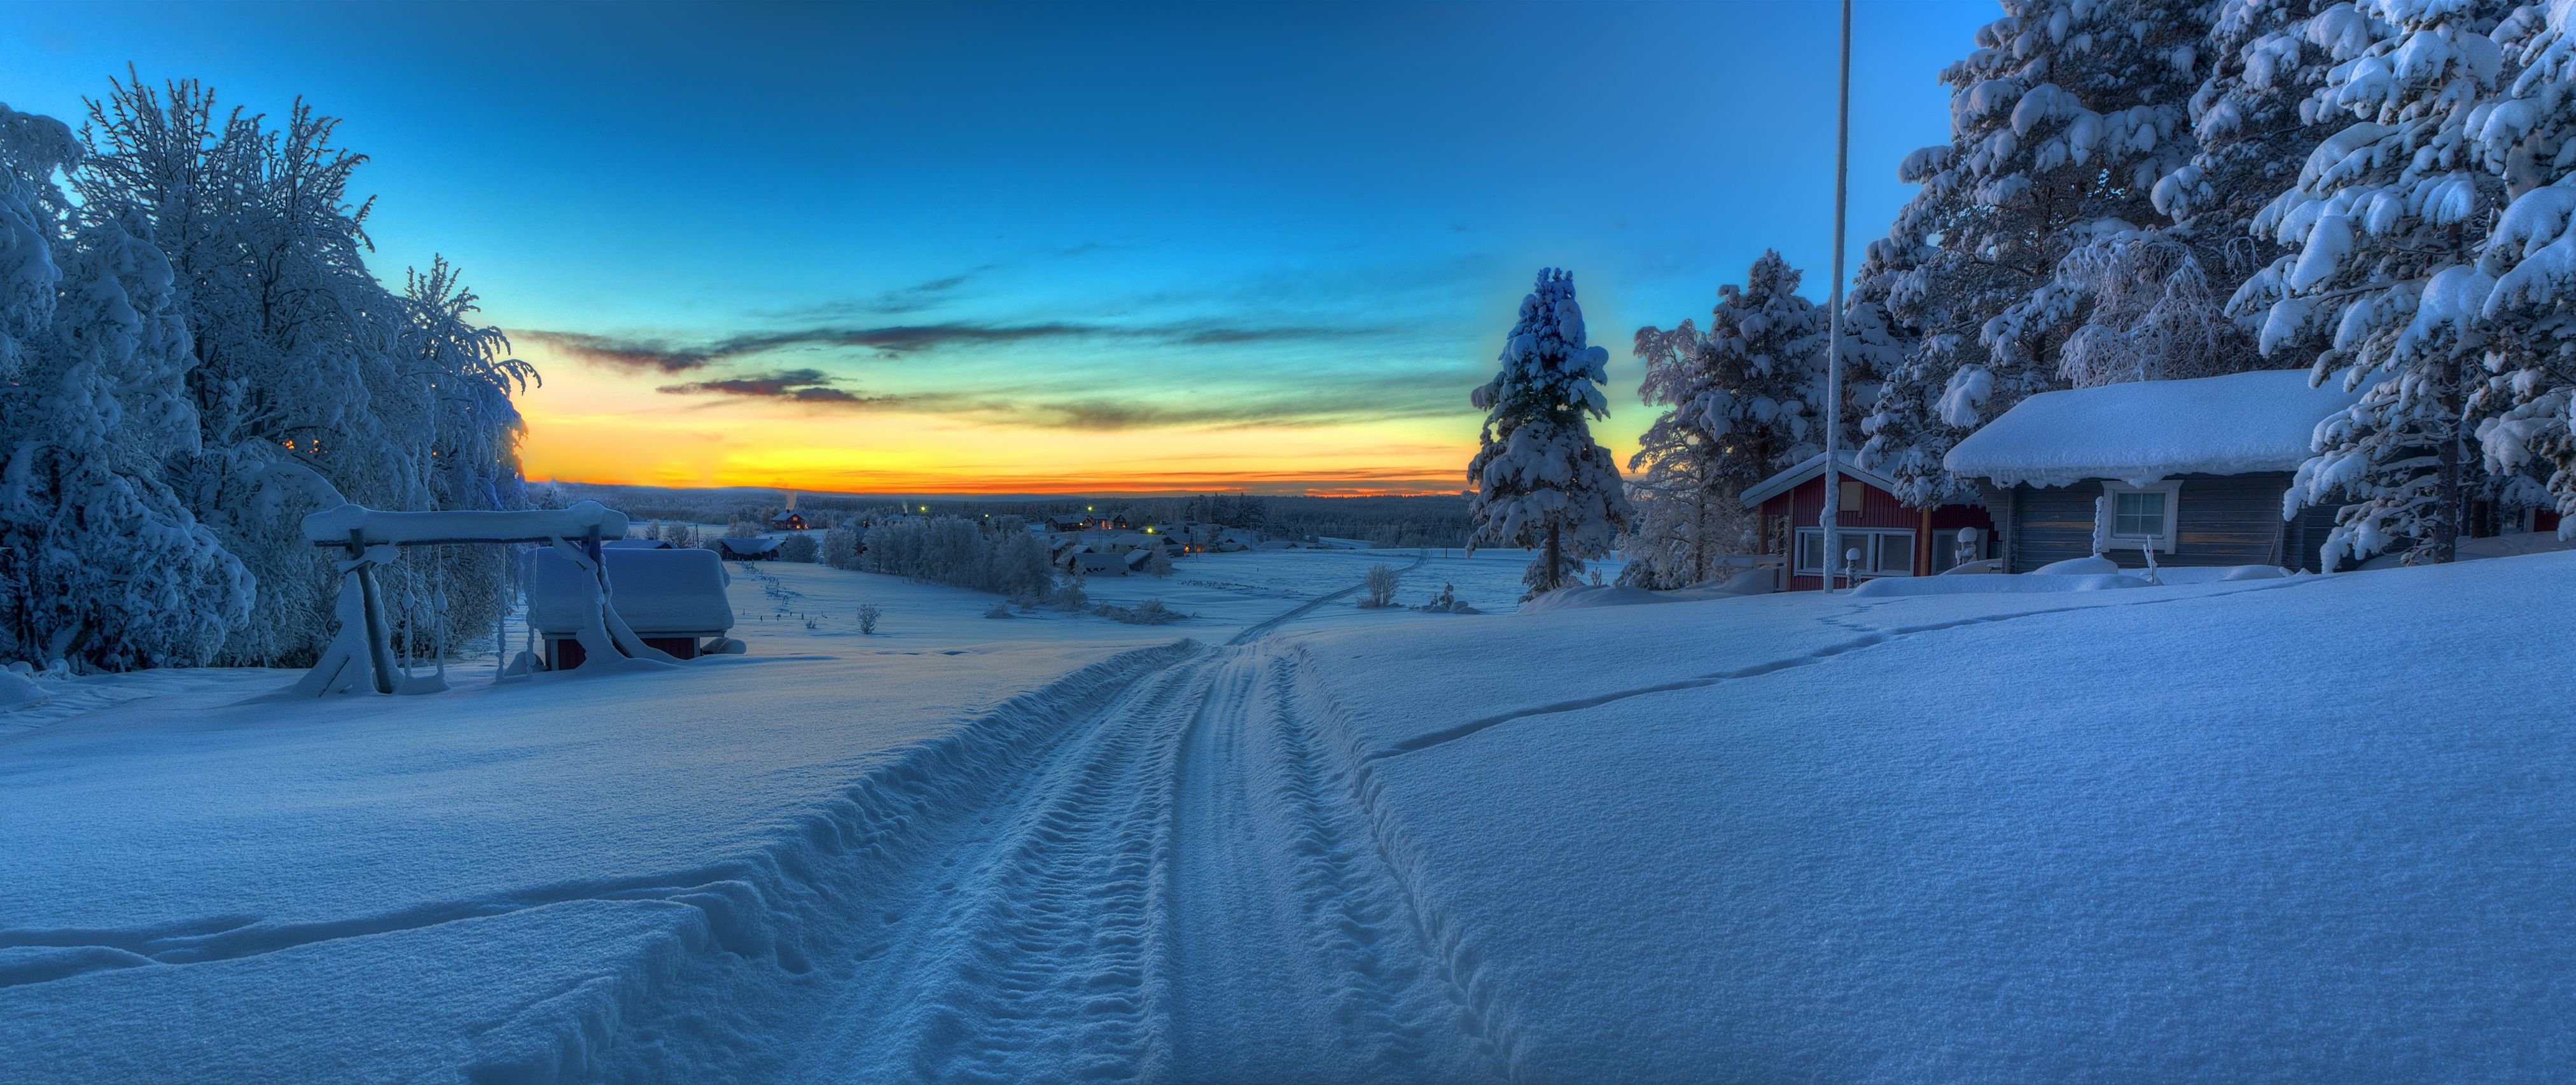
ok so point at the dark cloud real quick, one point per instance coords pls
(793, 385)
(652, 354)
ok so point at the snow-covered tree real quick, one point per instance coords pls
(1541, 480)
(101, 563)
(2383, 230)
(1743, 400)
(312, 382)
(2524, 404)
(2062, 120)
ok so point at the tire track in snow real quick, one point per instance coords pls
(1263, 628)
(1869, 638)
(1278, 897)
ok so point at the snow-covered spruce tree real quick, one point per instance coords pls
(101, 564)
(1743, 400)
(2062, 120)
(1541, 481)
(2524, 405)
(313, 383)
(2383, 229)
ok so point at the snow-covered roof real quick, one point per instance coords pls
(2138, 433)
(756, 546)
(656, 591)
(1812, 467)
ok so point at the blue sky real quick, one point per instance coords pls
(1065, 236)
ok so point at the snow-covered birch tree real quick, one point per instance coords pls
(312, 382)
(101, 564)
(1540, 479)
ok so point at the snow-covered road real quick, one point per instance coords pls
(1157, 870)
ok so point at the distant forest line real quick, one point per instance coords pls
(1432, 520)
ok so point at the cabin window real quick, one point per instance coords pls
(2142, 515)
(1883, 551)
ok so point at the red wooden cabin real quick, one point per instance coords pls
(1893, 540)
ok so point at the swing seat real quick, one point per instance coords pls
(673, 599)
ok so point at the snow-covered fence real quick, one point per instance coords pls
(362, 650)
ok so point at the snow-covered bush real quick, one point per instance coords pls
(1379, 584)
(1157, 562)
(1541, 481)
(798, 547)
(868, 615)
(743, 529)
(1068, 596)
(1149, 612)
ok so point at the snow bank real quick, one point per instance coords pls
(1587, 596)
(2142, 432)
(573, 522)
(1889, 587)
(2493, 546)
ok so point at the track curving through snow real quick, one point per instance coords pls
(1169, 875)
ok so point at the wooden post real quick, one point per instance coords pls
(1923, 550)
(380, 655)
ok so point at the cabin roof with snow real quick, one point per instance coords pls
(2138, 433)
(790, 520)
(1812, 467)
(658, 592)
(758, 546)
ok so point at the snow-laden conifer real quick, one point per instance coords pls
(2524, 404)
(2062, 120)
(1742, 400)
(1540, 479)
(2383, 229)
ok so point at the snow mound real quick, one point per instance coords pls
(2078, 566)
(18, 690)
(2214, 574)
(1587, 596)
(2142, 432)
(1893, 586)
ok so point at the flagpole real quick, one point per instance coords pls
(1831, 520)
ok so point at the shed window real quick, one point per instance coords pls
(1883, 551)
(2142, 515)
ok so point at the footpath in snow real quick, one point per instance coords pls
(2221, 830)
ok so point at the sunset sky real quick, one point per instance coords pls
(1032, 248)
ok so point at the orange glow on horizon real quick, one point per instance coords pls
(588, 424)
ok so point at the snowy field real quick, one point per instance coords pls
(2210, 831)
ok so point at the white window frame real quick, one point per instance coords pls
(1869, 551)
(2163, 541)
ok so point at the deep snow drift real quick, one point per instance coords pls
(2208, 830)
